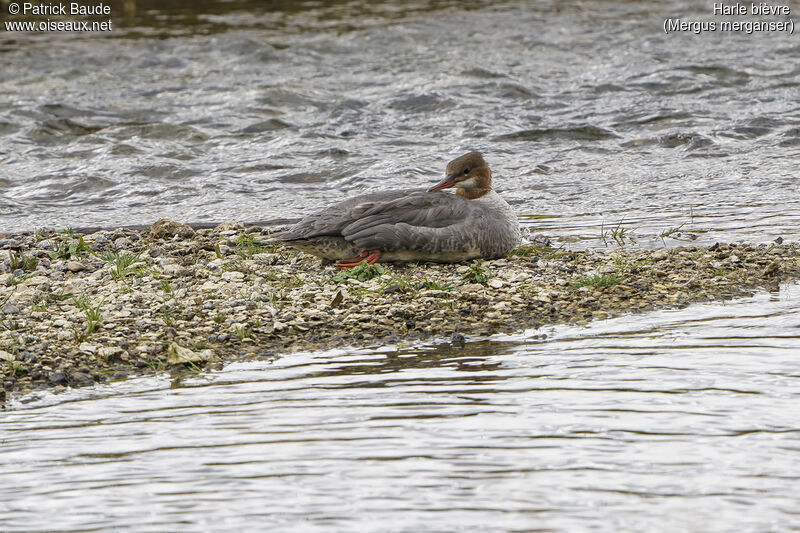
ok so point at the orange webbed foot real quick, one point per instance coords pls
(369, 256)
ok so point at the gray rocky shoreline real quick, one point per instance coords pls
(76, 309)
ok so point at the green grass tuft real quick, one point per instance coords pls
(247, 246)
(70, 247)
(362, 272)
(478, 273)
(121, 263)
(22, 261)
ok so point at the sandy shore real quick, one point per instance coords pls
(81, 309)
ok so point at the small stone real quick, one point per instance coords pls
(75, 266)
(5, 356)
(233, 275)
(122, 243)
(81, 379)
(496, 283)
(229, 226)
(108, 352)
(174, 270)
(88, 348)
(10, 309)
(393, 288)
(540, 240)
(338, 298)
(660, 255)
(209, 286)
(57, 378)
(177, 354)
(169, 228)
(471, 288)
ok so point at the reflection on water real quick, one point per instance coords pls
(678, 421)
(204, 111)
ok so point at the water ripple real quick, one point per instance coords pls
(677, 417)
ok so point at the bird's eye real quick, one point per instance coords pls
(466, 171)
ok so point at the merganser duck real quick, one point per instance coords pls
(414, 225)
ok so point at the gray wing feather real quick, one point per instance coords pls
(332, 220)
(394, 220)
(415, 222)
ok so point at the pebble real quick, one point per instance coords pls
(164, 228)
(75, 266)
(174, 270)
(230, 227)
(233, 275)
(122, 243)
(81, 379)
(177, 354)
(57, 378)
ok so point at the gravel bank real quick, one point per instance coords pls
(80, 309)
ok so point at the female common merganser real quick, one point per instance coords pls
(414, 225)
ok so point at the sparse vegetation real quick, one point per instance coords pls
(618, 234)
(671, 231)
(244, 332)
(247, 246)
(122, 263)
(436, 286)
(361, 272)
(168, 315)
(22, 261)
(11, 324)
(93, 313)
(169, 292)
(70, 247)
(478, 273)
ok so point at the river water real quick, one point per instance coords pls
(591, 118)
(589, 114)
(678, 421)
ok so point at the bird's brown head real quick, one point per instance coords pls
(469, 174)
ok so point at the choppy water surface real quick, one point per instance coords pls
(589, 114)
(679, 421)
